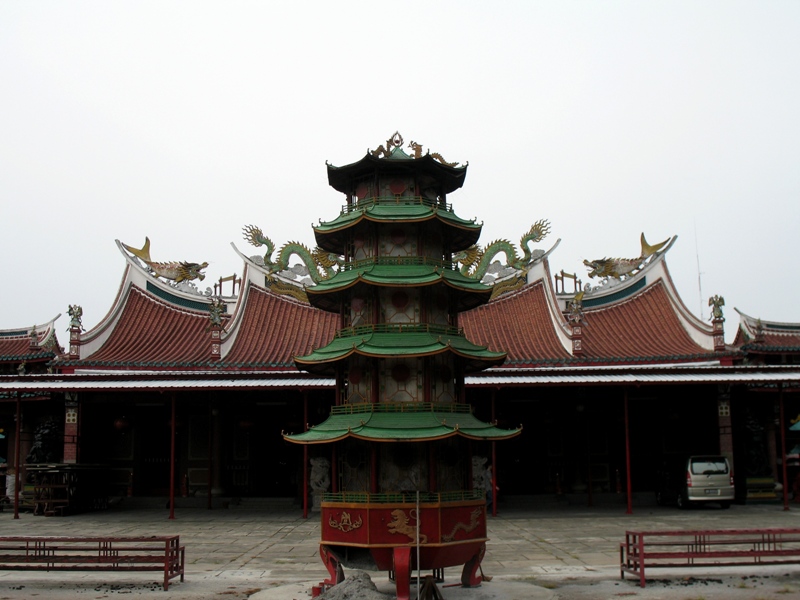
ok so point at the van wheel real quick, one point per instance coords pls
(725, 504)
(683, 502)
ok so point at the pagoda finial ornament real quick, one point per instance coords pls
(618, 268)
(395, 141)
(175, 271)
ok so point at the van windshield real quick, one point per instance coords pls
(709, 465)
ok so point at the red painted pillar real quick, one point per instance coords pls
(494, 458)
(17, 462)
(628, 488)
(783, 450)
(172, 461)
(305, 456)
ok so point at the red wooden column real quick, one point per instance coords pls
(172, 461)
(628, 488)
(783, 450)
(18, 433)
(494, 457)
(210, 453)
(305, 456)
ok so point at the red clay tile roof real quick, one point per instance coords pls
(517, 323)
(275, 328)
(641, 327)
(151, 332)
(755, 335)
(15, 345)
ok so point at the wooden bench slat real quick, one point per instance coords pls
(708, 548)
(124, 553)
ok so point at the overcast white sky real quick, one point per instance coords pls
(184, 121)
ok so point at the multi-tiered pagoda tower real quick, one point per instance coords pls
(401, 434)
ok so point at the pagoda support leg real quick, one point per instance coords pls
(402, 572)
(333, 565)
(469, 574)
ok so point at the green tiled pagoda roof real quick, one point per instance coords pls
(397, 210)
(398, 272)
(401, 422)
(387, 341)
(449, 178)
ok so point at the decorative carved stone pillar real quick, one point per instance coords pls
(719, 335)
(34, 342)
(75, 328)
(577, 321)
(215, 342)
(724, 422)
(717, 320)
(577, 340)
(216, 309)
(71, 429)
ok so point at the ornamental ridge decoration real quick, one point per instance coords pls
(717, 302)
(215, 311)
(395, 142)
(320, 264)
(176, 271)
(617, 268)
(75, 313)
(475, 262)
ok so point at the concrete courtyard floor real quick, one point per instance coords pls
(269, 552)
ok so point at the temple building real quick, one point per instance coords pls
(212, 393)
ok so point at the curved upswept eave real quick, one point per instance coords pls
(331, 235)
(401, 422)
(408, 345)
(398, 276)
(450, 178)
(152, 330)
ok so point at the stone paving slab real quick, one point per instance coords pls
(236, 552)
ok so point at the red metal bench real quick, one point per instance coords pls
(66, 553)
(712, 548)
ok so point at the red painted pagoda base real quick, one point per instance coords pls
(380, 532)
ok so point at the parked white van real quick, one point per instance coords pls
(707, 478)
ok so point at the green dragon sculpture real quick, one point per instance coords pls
(320, 264)
(475, 261)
